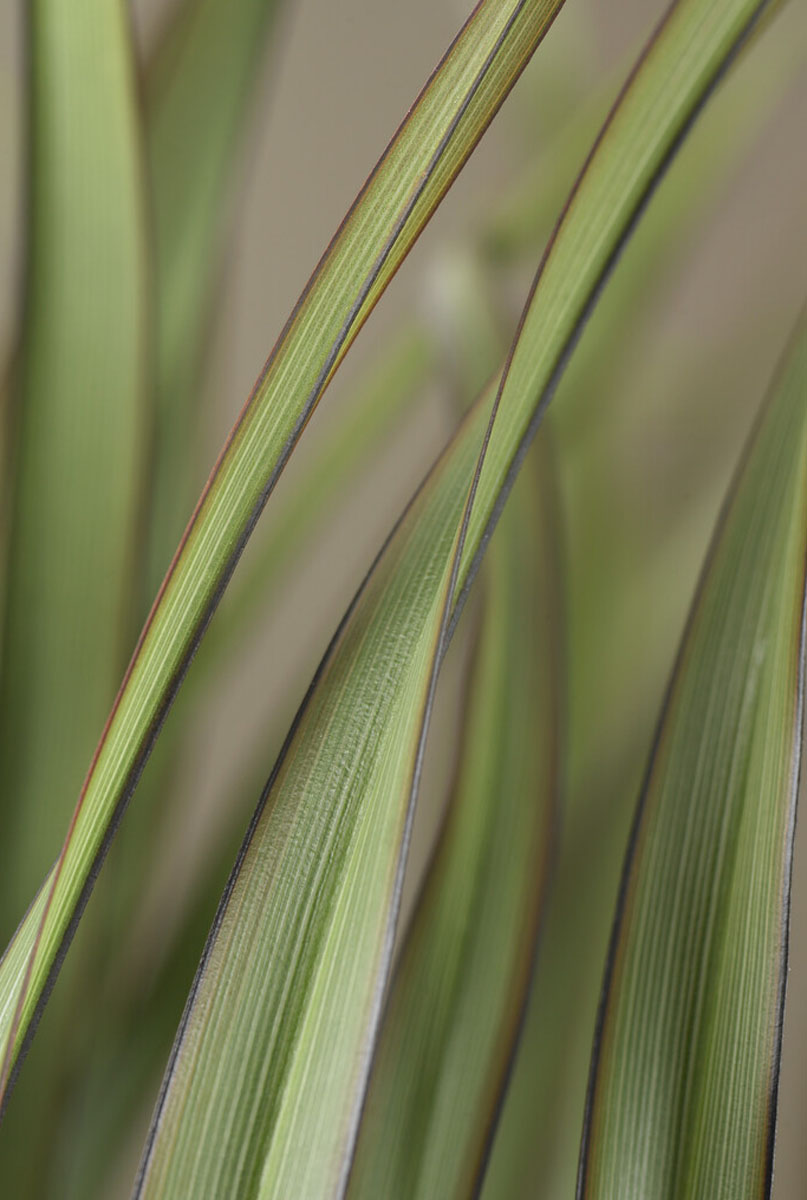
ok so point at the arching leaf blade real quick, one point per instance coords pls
(312, 894)
(683, 1088)
(155, 962)
(619, 648)
(679, 68)
(652, 150)
(413, 175)
(458, 992)
(300, 1020)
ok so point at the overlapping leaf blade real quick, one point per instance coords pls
(315, 889)
(299, 949)
(683, 1088)
(414, 174)
(458, 992)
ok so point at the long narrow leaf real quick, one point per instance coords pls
(412, 177)
(634, 553)
(77, 454)
(151, 965)
(682, 1098)
(458, 993)
(271, 1059)
(81, 419)
(311, 895)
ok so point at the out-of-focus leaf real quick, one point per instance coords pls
(466, 324)
(682, 1098)
(198, 89)
(413, 175)
(384, 395)
(80, 423)
(5, 390)
(458, 993)
(519, 224)
(282, 1016)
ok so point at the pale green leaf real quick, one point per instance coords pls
(458, 992)
(161, 948)
(282, 1017)
(288, 991)
(682, 1099)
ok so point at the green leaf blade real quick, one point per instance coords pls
(682, 63)
(609, 184)
(618, 669)
(384, 397)
(429, 149)
(327, 837)
(682, 1099)
(79, 447)
(306, 1095)
(458, 992)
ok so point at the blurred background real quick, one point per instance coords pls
(648, 423)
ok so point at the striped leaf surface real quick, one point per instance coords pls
(634, 554)
(458, 992)
(280, 1021)
(413, 175)
(282, 1017)
(682, 1099)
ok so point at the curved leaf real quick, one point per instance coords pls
(682, 1098)
(634, 555)
(408, 183)
(294, 1014)
(271, 1059)
(458, 992)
